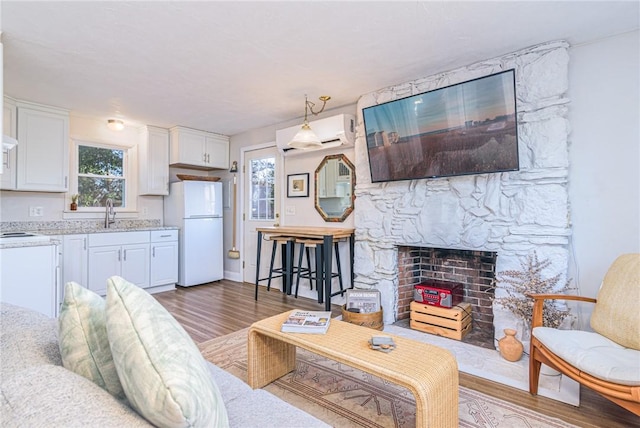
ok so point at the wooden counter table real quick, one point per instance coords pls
(327, 234)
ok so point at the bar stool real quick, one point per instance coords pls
(280, 272)
(311, 274)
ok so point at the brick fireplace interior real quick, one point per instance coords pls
(474, 269)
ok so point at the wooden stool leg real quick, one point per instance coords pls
(273, 258)
(309, 268)
(290, 269)
(300, 267)
(258, 263)
(319, 273)
(339, 269)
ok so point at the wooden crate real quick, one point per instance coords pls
(453, 323)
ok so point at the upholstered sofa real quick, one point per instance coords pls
(36, 390)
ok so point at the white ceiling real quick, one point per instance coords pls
(229, 67)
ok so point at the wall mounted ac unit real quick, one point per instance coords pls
(333, 131)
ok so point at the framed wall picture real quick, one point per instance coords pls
(298, 185)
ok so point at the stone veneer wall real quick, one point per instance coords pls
(511, 213)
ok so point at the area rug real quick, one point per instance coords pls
(345, 397)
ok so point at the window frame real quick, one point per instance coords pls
(129, 173)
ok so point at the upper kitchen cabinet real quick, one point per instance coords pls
(43, 148)
(153, 161)
(9, 125)
(190, 148)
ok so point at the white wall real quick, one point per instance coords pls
(604, 177)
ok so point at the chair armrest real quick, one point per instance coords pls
(561, 297)
(538, 304)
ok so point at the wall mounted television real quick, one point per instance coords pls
(466, 128)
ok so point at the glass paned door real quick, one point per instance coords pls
(261, 188)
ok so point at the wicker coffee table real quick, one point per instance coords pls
(429, 372)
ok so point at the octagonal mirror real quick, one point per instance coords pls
(334, 185)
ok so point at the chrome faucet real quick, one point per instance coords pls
(109, 211)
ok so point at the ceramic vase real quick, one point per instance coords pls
(510, 348)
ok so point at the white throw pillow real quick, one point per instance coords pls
(83, 341)
(163, 374)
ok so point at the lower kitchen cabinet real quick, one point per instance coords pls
(74, 259)
(164, 257)
(125, 254)
(128, 261)
(146, 259)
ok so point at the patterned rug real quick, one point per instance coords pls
(345, 397)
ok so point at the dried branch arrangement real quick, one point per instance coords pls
(529, 281)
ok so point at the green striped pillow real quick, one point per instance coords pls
(163, 374)
(83, 342)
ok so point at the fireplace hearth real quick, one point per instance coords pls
(475, 270)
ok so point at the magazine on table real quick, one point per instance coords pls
(363, 301)
(307, 322)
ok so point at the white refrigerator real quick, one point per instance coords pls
(196, 208)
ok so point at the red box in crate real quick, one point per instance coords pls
(443, 294)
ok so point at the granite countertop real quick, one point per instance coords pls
(68, 231)
(68, 227)
(74, 227)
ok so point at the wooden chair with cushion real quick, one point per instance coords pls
(606, 360)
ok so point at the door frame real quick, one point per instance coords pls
(241, 186)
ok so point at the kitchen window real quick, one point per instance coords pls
(102, 171)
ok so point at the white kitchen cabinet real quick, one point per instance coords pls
(43, 148)
(135, 264)
(217, 149)
(28, 278)
(104, 262)
(125, 254)
(75, 259)
(58, 274)
(153, 161)
(164, 257)
(9, 125)
(191, 148)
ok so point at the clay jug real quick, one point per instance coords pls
(510, 348)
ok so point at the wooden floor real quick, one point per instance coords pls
(213, 310)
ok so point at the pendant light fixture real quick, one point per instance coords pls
(306, 138)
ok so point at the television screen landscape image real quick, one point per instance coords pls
(467, 128)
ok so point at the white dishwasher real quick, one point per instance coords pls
(29, 276)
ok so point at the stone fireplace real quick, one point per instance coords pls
(475, 270)
(507, 214)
